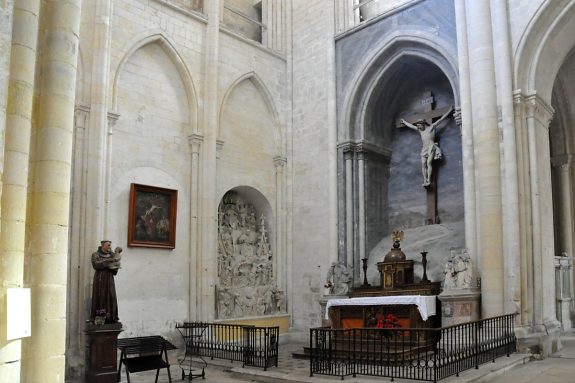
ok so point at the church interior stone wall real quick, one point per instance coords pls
(155, 134)
(292, 104)
(152, 127)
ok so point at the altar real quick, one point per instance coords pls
(397, 302)
(408, 311)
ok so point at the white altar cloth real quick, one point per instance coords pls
(425, 303)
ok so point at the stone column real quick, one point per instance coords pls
(349, 243)
(112, 119)
(279, 256)
(463, 118)
(6, 22)
(79, 268)
(272, 18)
(356, 12)
(208, 196)
(345, 14)
(93, 180)
(526, 260)
(98, 132)
(195, 141)
(331, 122)
(15, 176)
(487, 161)
(50, 197)
(539, 115)
(504, 73)
(562, 169)
(361, 206)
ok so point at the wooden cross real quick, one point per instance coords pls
(430, 115)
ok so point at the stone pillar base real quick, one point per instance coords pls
(102, 353)
(459, 306)
(323, 303)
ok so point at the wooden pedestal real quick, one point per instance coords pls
(102, 353)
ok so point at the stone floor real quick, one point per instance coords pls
(518, 368)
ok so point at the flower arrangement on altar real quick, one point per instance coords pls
(387, 321)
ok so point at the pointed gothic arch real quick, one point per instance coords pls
(545, 45)
(163, 42)
(543, 48)
(268, 100)
(390, 50)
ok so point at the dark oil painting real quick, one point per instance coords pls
(152, 217)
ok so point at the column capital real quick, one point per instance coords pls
(81, 112)
(219, 147)
(346, 146)
(195, 141)
(280, 161)
(535, 106)
(112, 119)
(366, 148)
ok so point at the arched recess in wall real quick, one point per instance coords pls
(253, 79)
(150, 146)
(185, 75)
(247, 275)
(384, 162)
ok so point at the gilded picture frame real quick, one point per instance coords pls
(152, 217)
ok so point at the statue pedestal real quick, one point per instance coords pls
(323, 303)
(102, 353)
(459, 306)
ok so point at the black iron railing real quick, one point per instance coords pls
(418, 354)
(251, 345)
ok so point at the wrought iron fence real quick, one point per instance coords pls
(418, 354)
(251, 345)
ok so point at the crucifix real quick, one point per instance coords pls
(425, 123)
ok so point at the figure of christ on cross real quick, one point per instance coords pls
(430, 151)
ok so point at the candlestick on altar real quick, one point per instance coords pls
(365, 284)
(424, 279)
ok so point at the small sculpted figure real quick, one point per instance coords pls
(338, 279)
(106, 264)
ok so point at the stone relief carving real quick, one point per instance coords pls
(458, 270)
(338, 280)
(247, 286)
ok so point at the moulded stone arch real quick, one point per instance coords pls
(258, 199)
(544, 46)
(269, 102)
(162, 41)
(563, 143)
(396, 46)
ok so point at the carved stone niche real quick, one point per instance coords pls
(247, 284)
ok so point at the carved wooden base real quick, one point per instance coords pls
(102, 353)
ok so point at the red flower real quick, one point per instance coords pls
(387, 321)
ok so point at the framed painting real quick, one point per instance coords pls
(152, 217)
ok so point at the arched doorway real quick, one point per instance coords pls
(562, 147)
